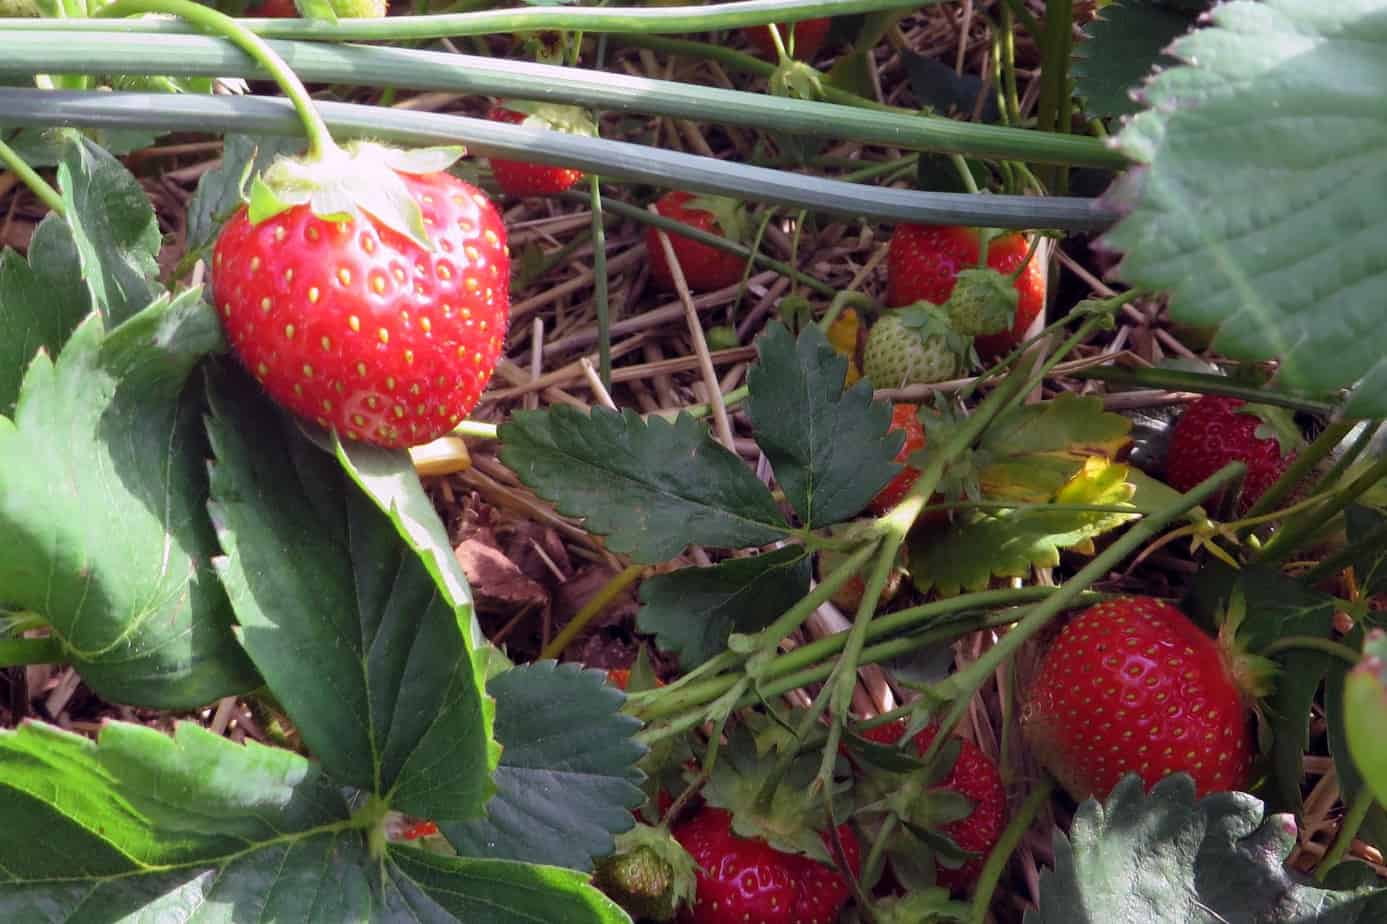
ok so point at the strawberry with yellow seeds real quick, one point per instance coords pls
(368, 290)
(914, 346)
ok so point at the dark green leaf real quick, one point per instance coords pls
(692, 611)
(44, 147)
(348, 627)
(390, 480)
(1122, 47)
(114, 227)
(1269, 227)
(1367, 542)
(41, 301)
(426, 887)
(830, 449)
(1166, 858)
(1277, 607)
(102, 492)
(567, 780)
(651, 487)
(143, 826)
(851, 72)
(218, 193)
(947, 92)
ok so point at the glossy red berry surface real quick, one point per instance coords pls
(809, 36)
(518, 178)
(1132, 686)
(905, 417)
(705, 268)
(354, 326)
(923, 263)
(1210, 433)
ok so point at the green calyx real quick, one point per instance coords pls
(573, 120)
(730, 215)
(1277, 423)
(797, 80)
(983, 302)
(361, 178)
(649, 874)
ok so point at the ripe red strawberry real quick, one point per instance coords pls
(419, 829)
(975, 777)
(518, 178)
(744, 879)
(903, 417)
(1132, 686)
(705, 268)
(1212, 432)
(924, 261)
(355, 325)
(808, 37)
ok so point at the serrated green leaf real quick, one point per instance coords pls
(692, 611)
(831, 449)
(1009, 543)
(141, 826)
(1276, 607)
(567, 780)
(219, 192)
(1069, 424)
(102, 487)
(651, 487)
(1165, 858)
(1269, 227)
(114, 227)
(41, 301)
(350, 630)
(1122, 46)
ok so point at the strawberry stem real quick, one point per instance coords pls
(209, 20)
(1312, 643)
(1305, 462)
(619, 582)
(1305, 526)
(30, 177)
(1001, 851)
(1202, 383)
(599, 293)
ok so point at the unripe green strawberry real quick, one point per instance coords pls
(650, 874)
(983, 302)
(913, 346)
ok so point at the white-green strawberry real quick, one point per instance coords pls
(915, 345)
(983, 302)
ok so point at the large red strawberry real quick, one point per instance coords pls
(807, 36)
(705, 267)
(923, 263)
(904, 417)
(519, 178)
(1214, 431)
(350, 319)
(974, 776)
(1132, 686)
(744, 879)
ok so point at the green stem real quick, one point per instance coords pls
(1312, 643)
(1301, 528)
(37, 184)
(1053, 110)
(795, 616)
(609, 591)
(209, 20)
(1019, 9)
(1001, 852)
(1290, 479)
(599, 295)
(477, 429)
(1204, 384)
(961, 686)
(15, 652)
(1348, 830)
(1350, 456)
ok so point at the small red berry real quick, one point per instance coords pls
(905, 417)
(1213, 432)
(355, 326)
(518, 178)
(808, 37)
(705, 267)
(1132, 686)
(923, 262)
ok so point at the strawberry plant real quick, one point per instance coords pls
(939, 484)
